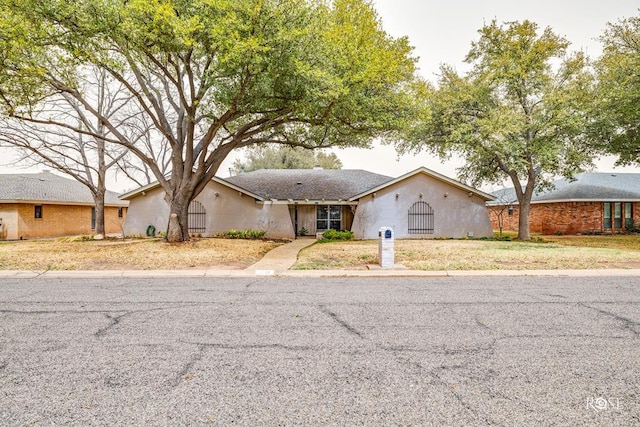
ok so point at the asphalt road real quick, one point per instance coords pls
(274, 351)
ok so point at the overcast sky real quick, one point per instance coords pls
(441, 32)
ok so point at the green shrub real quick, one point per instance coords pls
(249, 234)
(633, 227)
(85, 238)
(337, 235)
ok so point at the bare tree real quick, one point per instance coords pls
(50, 137)
(504, 203)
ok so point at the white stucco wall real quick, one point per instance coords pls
(145, 210)
(227, 210)
(455, 215)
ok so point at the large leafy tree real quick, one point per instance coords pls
(616, 128)
(284, 157)
(518, 114)
(212, 76)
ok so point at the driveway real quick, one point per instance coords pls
(283, 351)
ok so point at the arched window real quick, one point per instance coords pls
(420, 218)
(197, 217)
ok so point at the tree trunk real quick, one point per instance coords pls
(523, 219)
(524, 202)
(98, 200)
(178, 227)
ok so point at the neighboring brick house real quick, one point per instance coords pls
(286, 203)
(590, 203)
(48, 205)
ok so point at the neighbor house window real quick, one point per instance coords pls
(37, 213)
(120, 212)
(93, 218)
(617, 215)
(328, 217)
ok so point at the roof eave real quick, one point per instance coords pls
(310, 202)
(538, 202)
(61, 202)
(139, 191)
(142, 190)
(221, 181)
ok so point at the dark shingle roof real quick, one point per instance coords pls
(47, 187)
(312, 184)
(588, 186)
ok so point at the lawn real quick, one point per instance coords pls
(154, 254)
(131, 254)
(592, 252)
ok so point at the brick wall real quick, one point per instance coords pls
(62, 220)
(564, 218)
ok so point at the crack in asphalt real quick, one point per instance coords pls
(248, 285)
(113, 322)
(434, 373)
(341, 322)
(183, 374)
(254, 346)
(555, 296)
(628, 324)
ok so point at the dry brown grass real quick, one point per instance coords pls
(554, 253)
(131, 254)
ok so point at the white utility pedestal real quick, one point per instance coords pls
(386, 247)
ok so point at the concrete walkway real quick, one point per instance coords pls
(281, 258)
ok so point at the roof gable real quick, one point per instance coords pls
(47, 187)
(432, 174)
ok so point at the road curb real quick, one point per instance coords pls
(78, 274)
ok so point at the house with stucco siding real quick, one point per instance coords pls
(288, 203)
